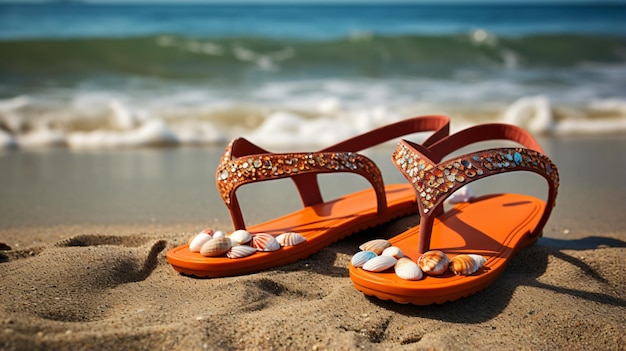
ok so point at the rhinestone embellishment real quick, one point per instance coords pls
(435, 182)
(233, 173)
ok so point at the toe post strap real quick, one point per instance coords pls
(234, 172)
(435, 181)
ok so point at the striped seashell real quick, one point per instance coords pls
(433, 262)
(379, 263)
(359, 258)
(219, 234)
(393, 251)
(290, 239)
(466, 264)
(377, 246)
(240, 236)
(240, 251)
(215, 247)
(408, 270)
(264, 242)
(196, 243)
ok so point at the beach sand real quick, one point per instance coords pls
(86, 269)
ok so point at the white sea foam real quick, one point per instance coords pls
(152, 133)
(288, 115)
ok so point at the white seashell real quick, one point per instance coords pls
(433, 262)
(290, 239)
(359, 258)
(379, 263)
(466, 264)
(240, 251)
(215, 247)
(264, 242)
(240, 236)
(408, 270)
(377, 245)
(219, 234)
(393, 251)
(208, 231)
(196, 243)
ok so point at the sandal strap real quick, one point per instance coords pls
(235, 172)
(434, 182)
(241, 158)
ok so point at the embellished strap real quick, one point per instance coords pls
(233, 172)
(244, 162)
(434, 182)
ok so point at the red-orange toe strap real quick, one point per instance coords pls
(233, 172)
(434, 182)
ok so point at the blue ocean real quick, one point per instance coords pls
(83, 75)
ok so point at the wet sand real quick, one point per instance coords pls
(88, 234)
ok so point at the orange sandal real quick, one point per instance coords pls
(494, 226)
(320, 223)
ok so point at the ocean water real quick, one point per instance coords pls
(95, 76)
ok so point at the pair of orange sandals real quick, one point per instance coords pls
(495, 226)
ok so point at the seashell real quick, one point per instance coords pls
(207, 231)
(290, 239)
(359, 258)
(379, 263)
(240, 251)
(219, 234)
(240, 236)
(393, 251)
(196, 243)
(466, 264)
(215, 247)
(408, 270)
(377, 246)
(264, 242)
(433, 262)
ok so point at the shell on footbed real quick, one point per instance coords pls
(216, 247)
(433, 262)
(377, 246)
(240, 236)
(290, 239)
(264, 242)
(359, 258)
(196, 242)
(379, 263)
(393, 251)
(466, 264)
(240, 251)
(406, 269)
